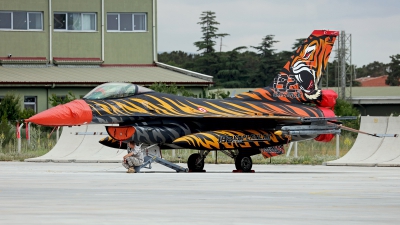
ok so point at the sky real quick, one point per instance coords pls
(374, 25)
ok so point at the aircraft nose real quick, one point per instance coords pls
(73, 113)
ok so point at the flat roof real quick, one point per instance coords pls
(78, 75)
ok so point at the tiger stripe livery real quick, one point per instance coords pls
(256, 122)
(142, 107)
(231, 139)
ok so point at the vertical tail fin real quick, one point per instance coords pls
(303, 71)
(298, 80)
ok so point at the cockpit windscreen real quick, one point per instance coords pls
(115, 90)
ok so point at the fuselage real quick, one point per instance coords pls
(154, 106)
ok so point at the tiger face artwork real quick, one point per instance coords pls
(304, 70)
(298, 80)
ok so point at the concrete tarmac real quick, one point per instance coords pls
(102, 193)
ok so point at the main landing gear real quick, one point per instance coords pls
(243, 162)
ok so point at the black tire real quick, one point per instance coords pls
(192, 163)
(243, 163)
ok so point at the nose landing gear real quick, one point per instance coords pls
(196, 161)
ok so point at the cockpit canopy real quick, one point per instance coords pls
(115, 90)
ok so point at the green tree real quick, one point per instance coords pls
(331, 76)
(374, 69)
(209, 30)
(10, 111)
(393, 78)
(218, 94)
(345, 108)
(250, 68)
(26, 113)
(177, 58)
(268, 67)
(58, 100)
(171, 89)
(10, 107)
(230, 73)
(6, 133)
(163, 88)
(208, 60)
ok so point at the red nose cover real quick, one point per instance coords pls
(328, 99)
(325, 137)
(73, 113)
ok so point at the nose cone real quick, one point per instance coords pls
(73, 113)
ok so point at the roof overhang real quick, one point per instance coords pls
(77, 61)
(187, 72)
(92, 84)
(23, 60)
(89, 76)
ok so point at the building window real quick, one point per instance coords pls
(30, 102)
(19, 20)
(130, 22)
(75, 21)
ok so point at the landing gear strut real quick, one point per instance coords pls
(243, 163)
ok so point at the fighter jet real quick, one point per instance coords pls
(292, 108)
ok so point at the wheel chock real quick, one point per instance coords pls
(191, 171)
(241, 171)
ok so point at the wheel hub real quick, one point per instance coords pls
(245, 163)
